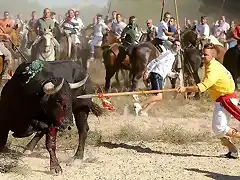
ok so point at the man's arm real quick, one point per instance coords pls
(105, 26)
(35, 27)
(124, 32)
(167, 33)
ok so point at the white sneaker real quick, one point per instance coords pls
(137, 108)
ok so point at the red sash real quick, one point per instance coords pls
(229, 106)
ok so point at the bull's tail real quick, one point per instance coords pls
(69, 46)
(96, 109)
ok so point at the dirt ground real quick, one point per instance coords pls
(176, 142)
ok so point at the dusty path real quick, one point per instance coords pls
(130, 161)
(139, 159)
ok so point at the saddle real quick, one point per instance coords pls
(157, 43)
(128, 47)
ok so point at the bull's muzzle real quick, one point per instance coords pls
(50, 88)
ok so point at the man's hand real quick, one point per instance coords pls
(7, 36)
(181, 89)
(145, 75)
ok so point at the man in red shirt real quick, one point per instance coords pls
(236, 34)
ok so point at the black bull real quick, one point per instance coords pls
(45, 104)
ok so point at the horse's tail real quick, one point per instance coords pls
(69, 39)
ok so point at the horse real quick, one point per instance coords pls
(114, 59)
(135, 59)
(44, 49)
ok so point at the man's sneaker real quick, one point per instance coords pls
(137, 108)
(231, 155)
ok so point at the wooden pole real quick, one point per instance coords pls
(125, 93)
(162, 11)
(181, 74)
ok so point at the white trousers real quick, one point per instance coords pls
(96, 41)
(221, 118)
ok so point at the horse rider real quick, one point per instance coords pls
(71, 27)
(119, 26)
(164, 37)
(151, 30)
(113, 21)
(236, 35)
(231, 42)
(98, 29)
(44, 24)
(3, 50)
(220, 32)
(53, 16)
(203, 30)
(6, 21)
(79, 20)
(129, 35)
(172, 25)
(31, 25)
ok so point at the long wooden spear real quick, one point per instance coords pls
(163, 5)
(124, 93)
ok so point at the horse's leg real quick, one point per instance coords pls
(173, 84)
(32, 144)
(110, 71)
(197, 80)
(117, 77)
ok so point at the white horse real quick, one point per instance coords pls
(44, 47)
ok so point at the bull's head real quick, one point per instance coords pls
(58, 103)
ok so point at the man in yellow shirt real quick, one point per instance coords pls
(221, 87)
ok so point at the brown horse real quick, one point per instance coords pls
(190, 37)
(116, 58)
(11, 46)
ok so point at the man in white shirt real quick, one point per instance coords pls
(203, 30)
(157, 70)
(97, 34)
(80, 22)
(119, 26)
(163, 36)
(53, 16)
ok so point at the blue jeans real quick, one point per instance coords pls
(232, 43)
(156, 81)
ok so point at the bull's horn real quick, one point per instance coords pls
(49, 87)
(78, 84)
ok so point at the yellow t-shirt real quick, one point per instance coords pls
(217, 79)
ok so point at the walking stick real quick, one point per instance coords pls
(20, 52)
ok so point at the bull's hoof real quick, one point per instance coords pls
(27, 152)
(56, 169)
